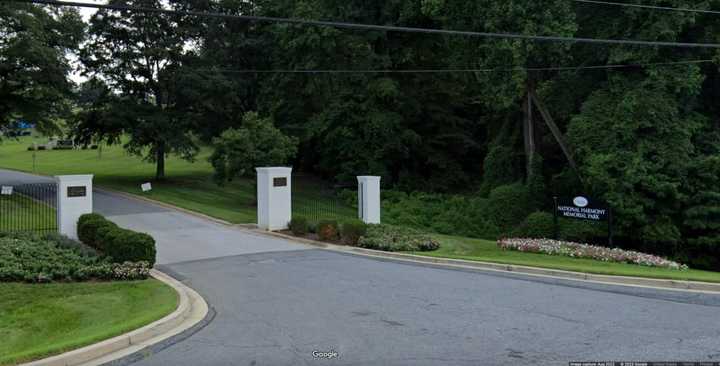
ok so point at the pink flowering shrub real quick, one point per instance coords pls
(577, 250)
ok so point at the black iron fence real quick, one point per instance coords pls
(28, 207)
(317, 200)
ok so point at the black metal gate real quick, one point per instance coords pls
(317, 200)
(28, 207)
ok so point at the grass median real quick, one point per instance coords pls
(487, 251)
(40, 320)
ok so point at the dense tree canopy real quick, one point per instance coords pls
(643, 138)
(34, 70)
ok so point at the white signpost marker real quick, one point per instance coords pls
(146, 187)
(7, 191)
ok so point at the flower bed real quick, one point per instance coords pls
(577, 250)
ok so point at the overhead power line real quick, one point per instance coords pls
(448, 71)
(373, 27)
(643, 6)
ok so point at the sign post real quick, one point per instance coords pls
(585, 209)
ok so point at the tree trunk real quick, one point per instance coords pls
(160, 162)
(528, 132)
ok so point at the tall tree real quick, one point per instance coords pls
(34, 70)
(140, 55)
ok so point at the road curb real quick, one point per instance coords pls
(673, 285)
(191, 309)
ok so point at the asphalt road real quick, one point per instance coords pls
(277, 302)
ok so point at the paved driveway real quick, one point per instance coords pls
(277, 302)
(181, 237)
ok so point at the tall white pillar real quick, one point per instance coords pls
(74, 198)
(274, 199)
(369, 199)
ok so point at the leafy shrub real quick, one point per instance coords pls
(312, 227)
(67, 243)
(328, 230)
(394, 239)
(88, 225)
(298, 226)
(352, 231)
(581, 231)
(35, 258)
(445, 214)
(129, 246)
(538, 225)
(120, 244)
(508, 206)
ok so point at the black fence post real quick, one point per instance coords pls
(610, 227)
(555, 217)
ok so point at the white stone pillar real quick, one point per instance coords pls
(274, 198)
(369, 199)
(74, 198)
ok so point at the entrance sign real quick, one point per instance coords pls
(582, 208)
(76, 191)
(7, 190)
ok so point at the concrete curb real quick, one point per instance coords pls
(191, 309)
(673, 285)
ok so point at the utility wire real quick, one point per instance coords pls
(376, 27)
(447, 71)
(642, 6)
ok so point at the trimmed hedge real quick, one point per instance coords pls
(121, 245)
(352, 231)
(328, 230)
(298, 226)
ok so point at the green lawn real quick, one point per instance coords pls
(487, 251)
(22, 213)
(189, 184)
(40, 320)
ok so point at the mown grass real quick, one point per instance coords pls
(188, 185)
(40, 320)
(488, 251)
(23, 213)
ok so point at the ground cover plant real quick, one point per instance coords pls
(578, 250)
(26, 257)
(394, 238)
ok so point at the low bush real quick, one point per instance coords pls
(577, 250)
(88, 226)
(540, 225)
(352, 231)
(395, 239)
(508, 205)
(129, 246)
(119, 244)
(328, 230)
(298, 226)
(35, 258)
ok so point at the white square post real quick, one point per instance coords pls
(74, 198)
(369, 199)
(274, 198)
